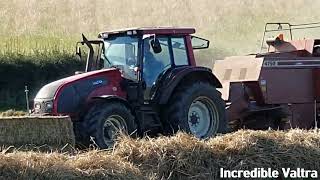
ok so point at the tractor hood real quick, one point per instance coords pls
(67, 96)
(49, 91)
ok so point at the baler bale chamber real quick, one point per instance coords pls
(279, 88)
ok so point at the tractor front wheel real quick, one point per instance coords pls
(105, 122)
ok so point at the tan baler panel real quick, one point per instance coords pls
(236, 69)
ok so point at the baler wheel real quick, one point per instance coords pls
(275, 119)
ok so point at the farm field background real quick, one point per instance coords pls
(31, 25)
(37, 43)
(37, 38)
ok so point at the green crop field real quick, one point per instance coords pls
(234, 27)
(39, 36)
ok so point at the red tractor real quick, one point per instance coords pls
(138, 81)
(278, 88)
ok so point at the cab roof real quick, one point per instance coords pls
(151, 30)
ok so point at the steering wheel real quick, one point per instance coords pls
(165, 67)
(131, 61)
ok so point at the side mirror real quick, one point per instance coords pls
(199, 43)
(156, 46)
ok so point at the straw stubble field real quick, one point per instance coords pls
(177, 157)
(43, 148)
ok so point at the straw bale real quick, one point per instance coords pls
(36, 131)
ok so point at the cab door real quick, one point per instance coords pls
(155, 63)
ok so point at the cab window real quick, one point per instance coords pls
(180, 55)
(121, 52)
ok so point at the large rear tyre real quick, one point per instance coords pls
(197, 109)
(105, 122)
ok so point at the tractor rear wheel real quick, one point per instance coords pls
(197, 109)
(105, 122)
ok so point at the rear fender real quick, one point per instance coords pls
(182, 75)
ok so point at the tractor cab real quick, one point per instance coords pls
(141, 54)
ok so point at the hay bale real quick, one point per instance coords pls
(12, 112)
(54, 132)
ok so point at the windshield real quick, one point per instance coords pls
(121, 52)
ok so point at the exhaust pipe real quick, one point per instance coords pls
(27, 99)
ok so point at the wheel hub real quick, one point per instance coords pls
(109, 131)
(112, 128)
(202, 117)
(194, 118)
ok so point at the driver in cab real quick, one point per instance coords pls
(152, 66)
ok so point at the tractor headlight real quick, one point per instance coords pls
(49, 105)
(43, 106)
(37, 106)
